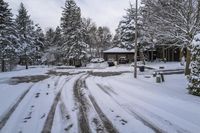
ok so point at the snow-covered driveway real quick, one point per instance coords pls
(96, 100)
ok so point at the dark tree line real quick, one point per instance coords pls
(23, 42)
(20, 40)
(169, 23)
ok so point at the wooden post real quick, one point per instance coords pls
(26, 61)
(181, 54)
(173, 52)
(168, 53)
(3, 65)
(135, 57)
(163, 50)
(152, 55)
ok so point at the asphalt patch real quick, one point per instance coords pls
(27, 79)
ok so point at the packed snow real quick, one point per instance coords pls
(98, 99)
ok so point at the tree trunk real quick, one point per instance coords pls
(181, 54)
(173, 58)
(188, 60)
(163, 50)
(3, 65)
(152, 56)
(26, 61)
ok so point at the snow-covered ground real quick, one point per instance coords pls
(166, 66)
(97, 99)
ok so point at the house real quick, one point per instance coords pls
(159, 52)
(117, 53)
(164, 52)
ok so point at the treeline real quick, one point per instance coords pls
(161, 22)
(20, 39)
(169, 23)
(23, 42)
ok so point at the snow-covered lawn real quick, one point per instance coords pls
(166, 106)
(101, 100)
(167, 66)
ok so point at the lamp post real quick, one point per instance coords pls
(136, 36)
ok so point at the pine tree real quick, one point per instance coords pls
(49, 36)
(194, 78)
(73, 46)
(57, 38)
(25, 30)
(116, 39)
(38, 44)
(39, 38)
(8, 37)
(126, 29)
(53, 49)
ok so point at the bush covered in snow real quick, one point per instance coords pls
(194, 78)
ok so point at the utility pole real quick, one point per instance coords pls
(136, 36)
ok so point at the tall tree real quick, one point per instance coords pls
(126, 29)
(25, 30)
(57, 38)
(71, 24)
(8, 37)
(49, 37)
(194, 78)
(39, 41)
(89, 31)
(53, 46)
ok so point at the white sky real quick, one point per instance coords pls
(48, 12)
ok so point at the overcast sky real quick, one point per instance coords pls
(48, 12)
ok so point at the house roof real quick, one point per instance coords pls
(119, 50)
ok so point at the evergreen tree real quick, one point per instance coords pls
(49, 51)
(49, 36)
(116, 39)
(194, 78)
(53, 49)
(125, 33)
(57, 38)
(73, 46)
(126, 29)
(88, 33)
(39, 38)
(38, 44)
(25, 30)
(8, 37)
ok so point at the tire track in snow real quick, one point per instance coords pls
(138, 117)
(49, 121)
(106, 123)
(83, 121)
(142, 118)
(4, 120)
(65, 116)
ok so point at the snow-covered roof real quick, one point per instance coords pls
(119, 50)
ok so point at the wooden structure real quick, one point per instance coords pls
(160, 53)
(117, 53)
(164, 52)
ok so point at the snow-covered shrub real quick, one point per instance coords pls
(194, 78)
